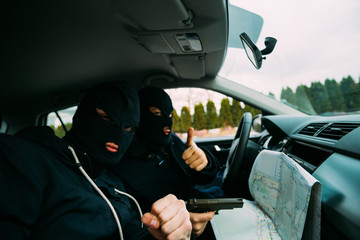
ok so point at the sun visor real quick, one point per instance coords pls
(154, 43)
(241, 20)
(150, 15)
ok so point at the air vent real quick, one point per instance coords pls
(337, 130)
(312, 128)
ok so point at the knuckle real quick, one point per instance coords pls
(161, 216)
(196, 228)
(196, 225)
(164, 229)
(154, 209)
(171, 197)
(181, 203)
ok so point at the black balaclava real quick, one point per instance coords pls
(90, 131)
(151, 127)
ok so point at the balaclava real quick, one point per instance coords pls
(151, 127)
(90, 131)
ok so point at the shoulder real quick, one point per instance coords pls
(14, 143)
(36, 133)
(175, 139)
(34, 147)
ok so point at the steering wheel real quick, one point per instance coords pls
(236, 155)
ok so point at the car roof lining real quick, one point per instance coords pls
(55, 50)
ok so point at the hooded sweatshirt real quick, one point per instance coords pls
(45, 196)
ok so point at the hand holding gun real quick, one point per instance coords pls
(216, 204)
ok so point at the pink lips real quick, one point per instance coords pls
(167, 130)
(111, 147)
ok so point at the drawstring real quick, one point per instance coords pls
(98, 190)
(132, 198)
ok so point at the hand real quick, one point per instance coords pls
(199, 221)
(194, 156)
(168, 219)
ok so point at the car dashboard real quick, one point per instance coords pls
(328, 148)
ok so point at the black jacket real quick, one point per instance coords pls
(150, 175)
(44, 195)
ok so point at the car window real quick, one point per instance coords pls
(211, 114)
(60, 120)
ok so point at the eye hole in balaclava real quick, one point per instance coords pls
(108, 119)
(105, 136)
(152, 123)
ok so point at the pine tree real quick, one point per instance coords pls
(252, 110)
(199, 117)
(271, 95)
(303, 99)
(212, 118)
(186, 121)
(176, 122)
(335, 95)
(225, 113)
(348, 88)
(288, 95)
(236, 112)
(319, 98)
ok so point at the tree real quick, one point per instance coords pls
(236, 112)
(348, 88)
(252, 110)
(303, 99)
(319, 98)
(271, 95)
(288, 95)
(335, 95)
(176, 122)
(212, 118)
(225, 113)
(199, 117)
(59, 131)
(186, 121)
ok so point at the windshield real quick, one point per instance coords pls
(314, 66)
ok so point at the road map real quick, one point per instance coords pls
(285, 198)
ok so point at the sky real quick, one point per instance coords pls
(316, 40)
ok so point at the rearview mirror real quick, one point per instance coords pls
(253, 52)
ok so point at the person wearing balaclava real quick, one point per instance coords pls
(53, 188)
(158, 162)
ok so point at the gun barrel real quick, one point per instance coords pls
(216, 204)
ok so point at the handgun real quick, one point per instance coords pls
(216, 204)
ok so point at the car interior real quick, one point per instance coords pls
(54, 51)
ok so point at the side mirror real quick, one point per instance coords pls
(253, 52)
(257, 124)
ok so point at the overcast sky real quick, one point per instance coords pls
(317, 39)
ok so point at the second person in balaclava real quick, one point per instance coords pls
(158, 162)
